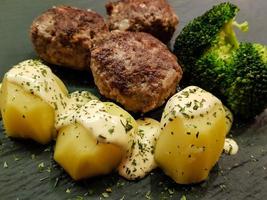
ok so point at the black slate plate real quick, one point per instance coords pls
(27, 170)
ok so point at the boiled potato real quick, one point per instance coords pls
(113, 109)
(74, 101)
(26, 115)
(192, 138)
(82, 156)
(25, 112)
(96, 144)
(61, 85)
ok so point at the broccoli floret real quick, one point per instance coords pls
(205, 45)
(210, 73)
(205, 32)
(213, 65)
(212, 58)
(247, 92)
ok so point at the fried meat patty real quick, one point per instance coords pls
(152, 16)
(63, 35)
(134, 69)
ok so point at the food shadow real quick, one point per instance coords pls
(163, 187)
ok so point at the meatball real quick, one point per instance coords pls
(63, 35)
(134, 69)
(155, 17)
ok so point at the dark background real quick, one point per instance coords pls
(243, 176)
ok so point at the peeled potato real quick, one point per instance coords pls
(82, 156)
(25, 115)
(192, 138)
(113, 109)
(61, 85)
(30, 100)
(84, 153)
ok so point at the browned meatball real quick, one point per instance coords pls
(63, 35)
(135, 69)
(152, 16)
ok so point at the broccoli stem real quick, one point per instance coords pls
(243, 26)
(229, 33)
(230, 36)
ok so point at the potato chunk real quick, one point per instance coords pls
(82, 156)
(131, 125)
(192, 138)
(61, 85)
(97, 142)
(31, 100)
(25, 115)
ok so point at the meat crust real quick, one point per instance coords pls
(63, 35)
(152, 16)
(134, 69)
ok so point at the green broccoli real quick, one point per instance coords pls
(210, 31)
(247, 92)
(210, 55)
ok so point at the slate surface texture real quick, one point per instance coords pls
(28, 172)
